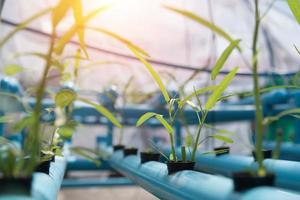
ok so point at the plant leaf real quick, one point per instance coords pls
(220, 131)
(74, 29)
(6, 119)
(77, 11)
(101, 109)
(65, 97)
(23, 24)
(222, 138)
(12, 70)
(296, 116)
(295, 8)
(201, 21)
(160, 118)
(268, 120)
(153, 73)
(144, 118)
(165, 124)
(197, 92)
(86, 154)
(214, 97)
(59, 11)
(220, 62)
(65, 132)
(121, 39)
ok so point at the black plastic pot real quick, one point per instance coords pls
(222, 150)
(174, 167)
(149, 156)
(17, 186)
(267, 154)
(118, 147)
(44, 167)
(130, 151)
(246, 180)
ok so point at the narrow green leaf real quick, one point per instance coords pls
(201, 21)
(25, 122)
(6, 119)
(101, 109)
(295, 8)
(121, 39)
(23, 24)
(221, 61)
(214, 152)
(220, 131)
(196, 93)
(59, 11)
(268, 120)
(222, 138)
(86, 154)
(11, 70)
(194, 106)
(160, 118)
(77, 11)
(75, 28)
(65, 97)
(144, 118)
(153, 73)
(165, 124)
(65, 132)
(296, 116)
(54, 62)
(214, 97)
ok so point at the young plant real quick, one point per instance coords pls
(175, 105)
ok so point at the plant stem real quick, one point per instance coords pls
(183, 153)
(32, 144)
(173, 150)
(258, 112)
(198, 136)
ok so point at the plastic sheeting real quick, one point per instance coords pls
(166, 36)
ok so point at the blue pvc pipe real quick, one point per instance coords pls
(78, 164)
(96, 182)
(44, 187)
(288, 151)
(287, 172)
(153, 177)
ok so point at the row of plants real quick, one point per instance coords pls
(176, 105)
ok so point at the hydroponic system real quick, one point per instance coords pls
(182, 99)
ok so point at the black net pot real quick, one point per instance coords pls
(174, 167)
(267, 154)
(16, 186)
(222, 150)
(130, 151)
(44, 167)
(118, 147)
(247, 180)
(149, 156)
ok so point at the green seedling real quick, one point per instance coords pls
(175, 105)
